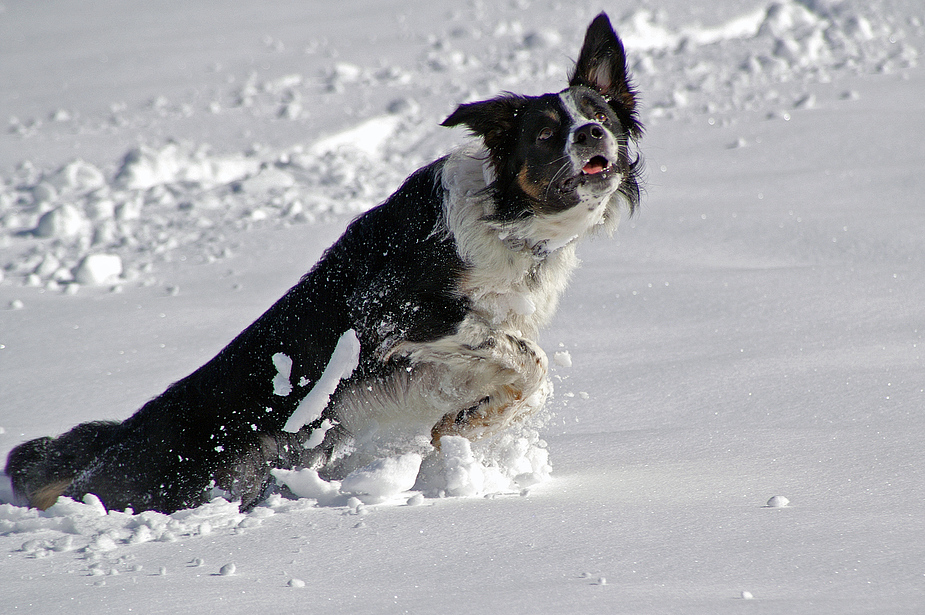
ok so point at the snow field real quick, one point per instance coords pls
(738, 374)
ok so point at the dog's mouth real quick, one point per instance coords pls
(597, 170)
(597, 164)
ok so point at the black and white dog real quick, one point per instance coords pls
(419, 322)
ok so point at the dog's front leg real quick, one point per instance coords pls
(507, 379)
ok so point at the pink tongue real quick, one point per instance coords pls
(594, 166)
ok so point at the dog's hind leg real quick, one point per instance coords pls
(248, 474)
(40, 470)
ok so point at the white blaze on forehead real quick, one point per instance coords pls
(344, 360)
(571, 108)
(577, 119)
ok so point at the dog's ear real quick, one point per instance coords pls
(601, 66)
(494, 120)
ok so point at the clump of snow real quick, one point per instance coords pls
(182, 196)
(778, 501)
(505, 463)
(383, 478)
(228, 570)
(98, 269)
(145, 167)
(281, 384)
(344, 360)
(64, 221)
(460, 473)
(306, 483)
(368, 138)
(562, 358)
(318, 433)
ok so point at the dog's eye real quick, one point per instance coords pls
(600, 116)
(545, 134)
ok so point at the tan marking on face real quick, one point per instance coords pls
(531, 188)
(551, 114)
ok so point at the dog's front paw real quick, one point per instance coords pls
(513, 384)
(508, 351)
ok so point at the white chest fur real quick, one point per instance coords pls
(517, 271)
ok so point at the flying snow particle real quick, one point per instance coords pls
(283, 364)
(563, 358)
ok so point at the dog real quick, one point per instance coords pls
(418, 323)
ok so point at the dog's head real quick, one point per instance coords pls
(558, 153)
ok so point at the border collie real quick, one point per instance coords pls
(418, 323)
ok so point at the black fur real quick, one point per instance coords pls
(389, 268)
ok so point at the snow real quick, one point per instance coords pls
(384, 478)
(738, 397)
(778, 501)
(97, 269)
(344, 360)
(281, 384)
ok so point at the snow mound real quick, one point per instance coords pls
(144, 168)
(740, 64)
(98, 269)
(87, 526)
(507, 463)
(383, 478)
(180, 196)
(306, 483)
(368, 137)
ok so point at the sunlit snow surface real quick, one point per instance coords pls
(739, 380)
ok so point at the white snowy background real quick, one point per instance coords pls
(169, 169)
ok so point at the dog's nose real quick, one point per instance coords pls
(589, 134)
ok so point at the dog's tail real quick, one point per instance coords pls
(42, 469)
